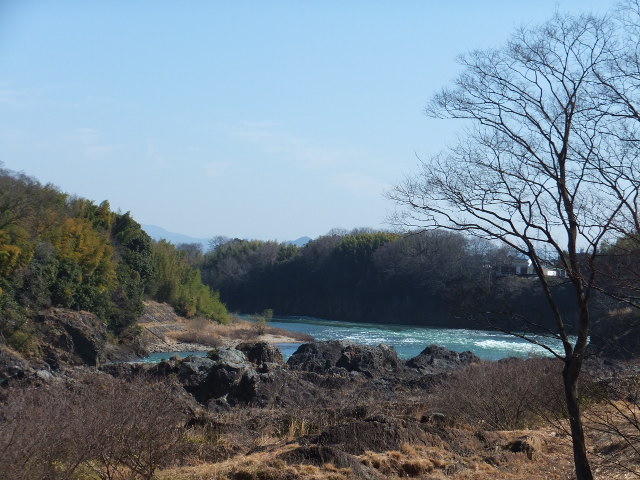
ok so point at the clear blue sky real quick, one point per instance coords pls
(256, 119)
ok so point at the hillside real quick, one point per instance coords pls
(59, 250)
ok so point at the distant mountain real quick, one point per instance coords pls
(300, 242)
(159, 233)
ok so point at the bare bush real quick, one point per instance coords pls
(616, 421)
(111, 429)
(37, 430)
(201, 338)
(505, 395)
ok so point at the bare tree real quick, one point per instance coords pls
(533, 170)
(619, 79)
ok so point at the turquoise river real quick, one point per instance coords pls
(408, 340)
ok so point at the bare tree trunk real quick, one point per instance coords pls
(570, 375)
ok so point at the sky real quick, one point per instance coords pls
(253, 119)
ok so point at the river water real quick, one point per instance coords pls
(408, 340)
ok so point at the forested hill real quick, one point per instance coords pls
(65, 251)
(431, 278)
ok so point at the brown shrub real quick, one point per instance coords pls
(615, 423)
(112, 429)
(505, 395)
(199, 337)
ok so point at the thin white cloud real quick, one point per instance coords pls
(361, 185)
(90, 142)
(14, 97)
(290, 148)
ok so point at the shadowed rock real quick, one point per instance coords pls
(73, 337)
(261, 352)
(323, 357)
(378, 433)
(436, 359)
(320, 455)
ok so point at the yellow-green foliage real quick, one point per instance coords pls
(67, 251)
(9, 256)
(180, 285)
(78, 241)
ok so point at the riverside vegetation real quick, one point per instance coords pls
(434, 278)
(74, 276)
(58, 250)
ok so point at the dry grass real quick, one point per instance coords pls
(410, 461)
(462, 459)
(163, 328)
(257, 466)
(614, 431)
(205, 332)
(504, 395)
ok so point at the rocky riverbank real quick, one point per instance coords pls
(334, 409)
(255, 374)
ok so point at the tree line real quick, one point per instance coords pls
(434, 278)
(65, 251)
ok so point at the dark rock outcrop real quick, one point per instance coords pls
(261, 352)
(13, 366)
(253, 373)
(436, 359)
(72, 337)
(319, 456)
(317, 357)
(213, 377)
(325, 357)
(227, 377)
(379, 433)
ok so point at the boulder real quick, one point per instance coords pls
(436, 359)
(320, 456)
(228, 356)
(324, 357)
(207, 378)
(317, 357)
(194, 371)
(528, 445)
(227, 377)
(370, 360)
(379, 433)
(261, 352)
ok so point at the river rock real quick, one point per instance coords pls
(371, 360)
(228, 356)
(317, 356)
(193, 371)
(324, 357)
(436, 359)
(228, 377)
(261, 352)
